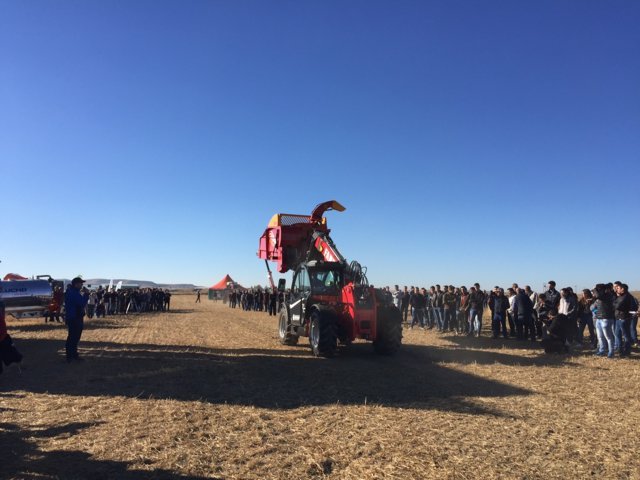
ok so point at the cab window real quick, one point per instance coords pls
(324, 281)
(302, 282)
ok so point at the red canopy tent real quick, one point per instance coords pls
(222, 288)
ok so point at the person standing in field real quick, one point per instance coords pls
(542, 315)
(417, 308)
(167, 300)
(523, 316)
(74, 307)
(499, 304)
(463, 311)
(569, 306)
(198, 297)
(603, 311)
(449, 301)
(533, 296)
(405, 304)
(623, 305)
(397, 297)
(552, 295)
(511, 295)
(439, 304)
(585, 317)
(431, 308)
(476, 305)
(273, 302)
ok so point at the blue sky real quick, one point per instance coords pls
(470, 141)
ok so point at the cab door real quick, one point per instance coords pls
(301, 288)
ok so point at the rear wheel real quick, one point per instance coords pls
(389, 331)
(322, 333)
(286, 337)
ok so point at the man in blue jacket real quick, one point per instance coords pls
(74, 306)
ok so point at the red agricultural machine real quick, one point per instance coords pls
(330, 300)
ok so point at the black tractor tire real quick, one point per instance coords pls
(323, 336)
(389, 330)
(286, 337)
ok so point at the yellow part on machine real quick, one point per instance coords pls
(286, 219)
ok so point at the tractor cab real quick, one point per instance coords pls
(314, 282)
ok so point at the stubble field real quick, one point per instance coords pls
(205, 391)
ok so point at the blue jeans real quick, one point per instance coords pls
(449, 318)
(463, 321)
(475, 320)
(440, 317)
(417, 317)
(634, 329)
(431, 317)
(622, 334)
(604, 330)
(499, 322)
(586, 320)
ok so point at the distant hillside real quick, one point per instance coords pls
(142, 283)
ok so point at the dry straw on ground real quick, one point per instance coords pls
(207, 392)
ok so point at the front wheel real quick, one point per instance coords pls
(389, 331)
(322, 333)
(286, 337)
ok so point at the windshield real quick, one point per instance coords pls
(325, 282)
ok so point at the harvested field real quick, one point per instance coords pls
(204, 391)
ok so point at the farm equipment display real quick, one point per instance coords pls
(25, 298)
(330, 300)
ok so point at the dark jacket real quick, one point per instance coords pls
(542, 310)
(522, 306)
(604, 306)
(572, 306)
(623, 304)
(418, 300)
(562, 328)
(8, 352)
(449, 299)
(404, 300)
(553, 298)
(499, 304)
(438, 299)
(476, 300)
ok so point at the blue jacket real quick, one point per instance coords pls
(74, 304)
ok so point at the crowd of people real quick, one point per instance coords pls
(257, 299)
(557, 318)
(101, 302)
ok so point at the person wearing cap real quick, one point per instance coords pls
(74, 306)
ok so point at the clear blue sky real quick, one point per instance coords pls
(469, 140)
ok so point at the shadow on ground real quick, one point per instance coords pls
(23, 458)
(489, 343)
(93, 324)
(278, 378)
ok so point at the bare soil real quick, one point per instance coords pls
(205, 391)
